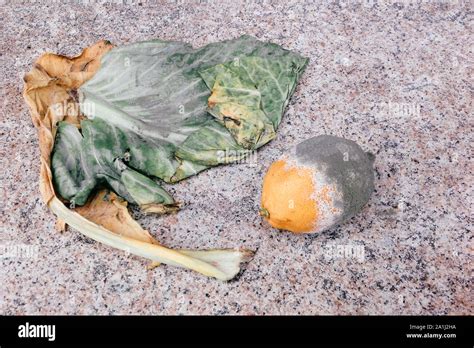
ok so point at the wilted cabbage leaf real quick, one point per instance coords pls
(164, 110)
(154, 109)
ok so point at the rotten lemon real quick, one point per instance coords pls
(318, 184)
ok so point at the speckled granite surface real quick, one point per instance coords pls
(395, 77)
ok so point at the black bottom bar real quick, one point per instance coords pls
(294, 331)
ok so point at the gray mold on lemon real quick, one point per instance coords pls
(345, 164)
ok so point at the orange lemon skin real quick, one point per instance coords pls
(287, 201)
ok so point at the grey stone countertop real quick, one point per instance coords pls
(394, 77)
